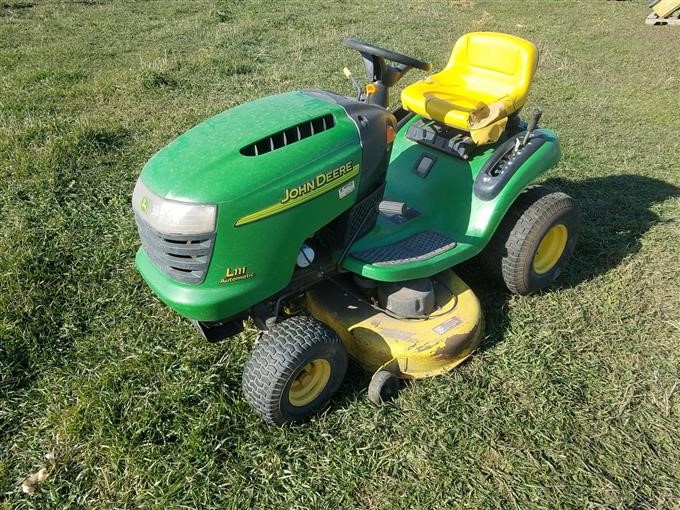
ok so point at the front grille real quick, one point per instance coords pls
(184, 258)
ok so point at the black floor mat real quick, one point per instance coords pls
(422, 246)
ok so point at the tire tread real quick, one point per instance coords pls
(275, 358)
(510, 252)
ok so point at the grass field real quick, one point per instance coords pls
(571, 402)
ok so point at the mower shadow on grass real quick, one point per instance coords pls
(353, 388)
(616, 213)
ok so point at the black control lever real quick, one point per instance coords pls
(533, 123)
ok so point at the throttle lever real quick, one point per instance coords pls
(355, 82)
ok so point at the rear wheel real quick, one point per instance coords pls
(294, 370)
(535, 240)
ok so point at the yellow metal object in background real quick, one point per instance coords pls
(309, 383)
(666, 7)
(410, 349)
(485, 68)
(550, 248)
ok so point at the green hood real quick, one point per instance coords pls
(205, 165)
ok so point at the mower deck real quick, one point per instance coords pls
(408, 348)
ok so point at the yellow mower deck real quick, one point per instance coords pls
(409, 348)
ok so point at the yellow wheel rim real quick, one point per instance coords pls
(309, 382)
(550, 249)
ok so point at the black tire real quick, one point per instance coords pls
(510, 255)
(383, 387)
(281, 357)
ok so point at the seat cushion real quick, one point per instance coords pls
(448, 104)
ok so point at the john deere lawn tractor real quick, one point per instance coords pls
(334, 222)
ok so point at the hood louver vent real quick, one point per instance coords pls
(291, 135)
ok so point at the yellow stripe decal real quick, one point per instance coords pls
(280, 207)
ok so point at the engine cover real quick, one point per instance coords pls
(411, 299)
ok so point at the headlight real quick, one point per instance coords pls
(170, 216)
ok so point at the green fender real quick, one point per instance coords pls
(446, 203)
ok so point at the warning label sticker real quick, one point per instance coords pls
(346, 189)
(446, 326)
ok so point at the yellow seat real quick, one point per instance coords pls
(487, 79)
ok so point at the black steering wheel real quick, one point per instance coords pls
(369, 49)
(381, 75)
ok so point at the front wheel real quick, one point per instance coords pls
(294, 370)
(535, 240)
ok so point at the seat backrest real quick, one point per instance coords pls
(494, 64)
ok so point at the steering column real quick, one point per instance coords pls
(382, 75)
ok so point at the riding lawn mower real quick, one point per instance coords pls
(334, 222)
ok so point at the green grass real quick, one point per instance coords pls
(572, 400)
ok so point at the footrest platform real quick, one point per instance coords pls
(418, 247)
